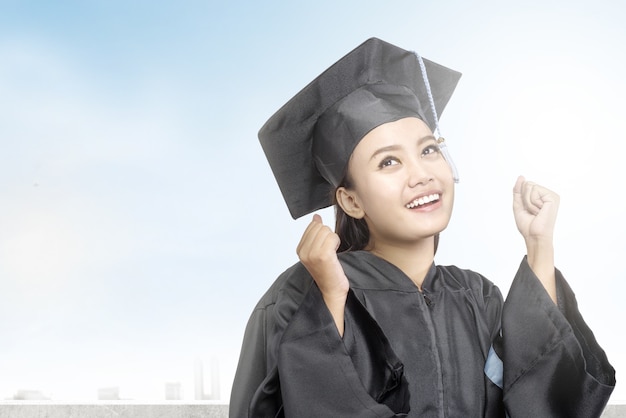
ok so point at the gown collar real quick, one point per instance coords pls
(367, 270)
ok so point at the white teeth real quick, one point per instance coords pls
(423, 200)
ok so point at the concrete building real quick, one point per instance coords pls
(199, 390)
(109, 394)
(29, 395)
(173, 391)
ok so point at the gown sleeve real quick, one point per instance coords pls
(252, 369)
(293, 362)
(553, 365)
(324, 375)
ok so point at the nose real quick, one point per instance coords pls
(418, 174)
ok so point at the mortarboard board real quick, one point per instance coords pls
(309, 140)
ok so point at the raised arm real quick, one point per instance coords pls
(317, 251)
(535, 209)
(553, 365)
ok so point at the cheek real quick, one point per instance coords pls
(443, 175)
(444, 171)
(449, 199)
(373, 197)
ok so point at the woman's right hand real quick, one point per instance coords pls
(317, 251)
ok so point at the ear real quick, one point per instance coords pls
(349, 202)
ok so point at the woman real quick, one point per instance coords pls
(366, 325)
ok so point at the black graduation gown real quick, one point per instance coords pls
(452, 350)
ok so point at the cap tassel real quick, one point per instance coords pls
(441, 141)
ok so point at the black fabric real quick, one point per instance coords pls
(341, 127)
(553, 346)
(427, 349)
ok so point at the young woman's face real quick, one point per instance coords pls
(402, 184)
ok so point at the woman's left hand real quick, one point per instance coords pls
(535, 209)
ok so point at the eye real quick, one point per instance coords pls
(432, 149)
(388, 162)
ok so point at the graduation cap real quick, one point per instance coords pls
(309, 140)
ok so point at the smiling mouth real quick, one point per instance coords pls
(423, 201)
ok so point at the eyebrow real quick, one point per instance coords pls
(396, 147)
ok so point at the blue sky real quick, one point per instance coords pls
(140, 222)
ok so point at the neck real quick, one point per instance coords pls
(413, 259)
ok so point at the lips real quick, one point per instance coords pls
(423, 201)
